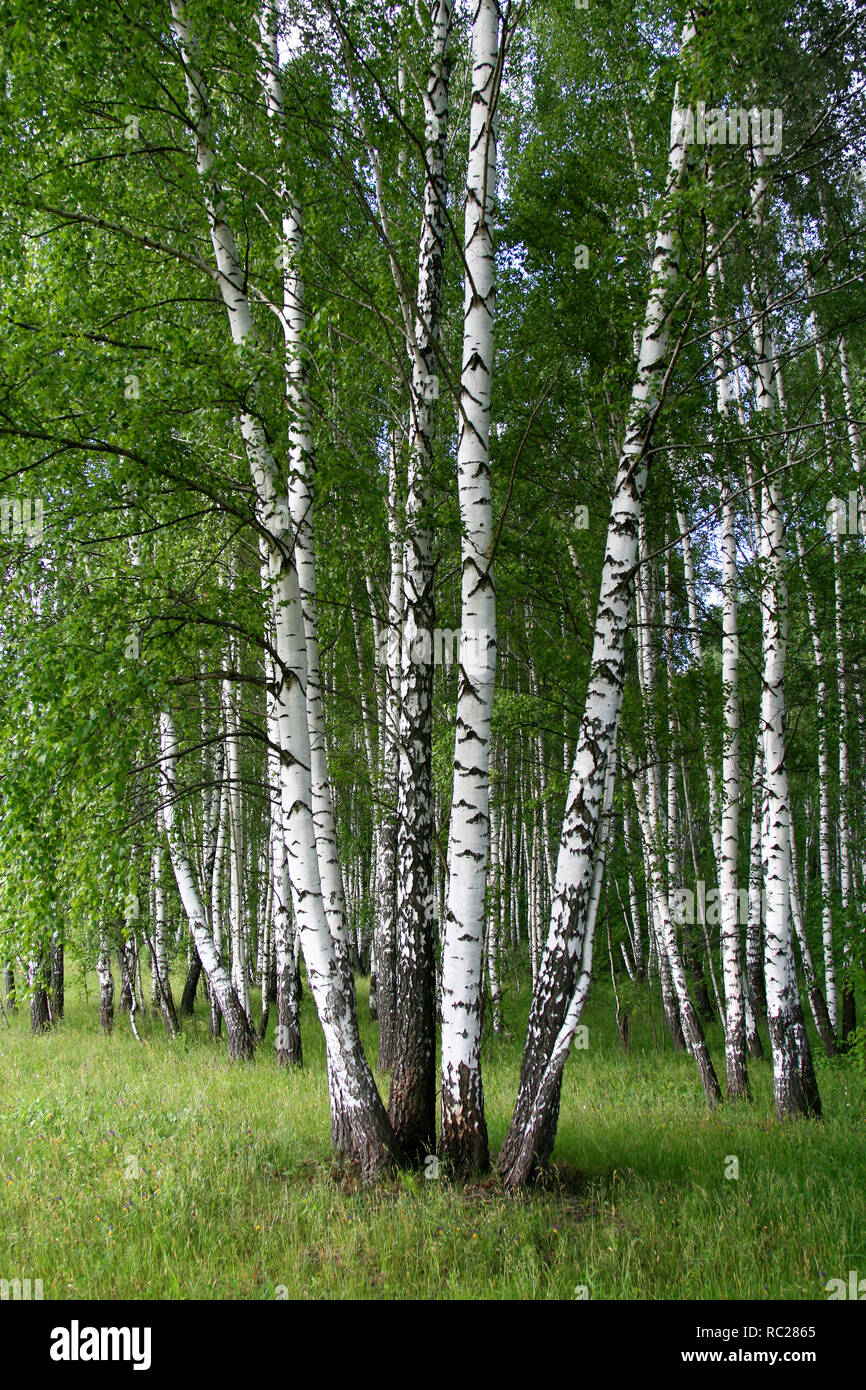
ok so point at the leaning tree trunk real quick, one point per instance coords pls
(545, 1101)
(240, 1036)
(301, 505)
(692, 1030)
(359, 1125)
(530, 1137)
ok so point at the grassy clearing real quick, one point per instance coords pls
(163, 1172)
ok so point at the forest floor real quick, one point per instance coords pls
(162, 1171)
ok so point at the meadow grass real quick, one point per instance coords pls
(162, 1171)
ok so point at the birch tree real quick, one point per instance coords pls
(413, 1055)
(463, 1132)
(796, 1089)
(529, 1141)
(360, 1129)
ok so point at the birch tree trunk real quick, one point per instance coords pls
(412, 1102)
(698, 650)
(106, 982)
(825, 833)
(754, 939)
(692, 1031)
(817, 1002)
(463, 1130)
(240, 1034)
(301, 506)
(547, 1091)
(636, 934)
(736, 1074)
(647, 667)
(821, 708)
(9, 987)
(287, 1039)
(847, 1020)
(531, 1133)
(37, 972)
(494, 929)
(796, 1089)
(385, 931)
(161, 985)
(236, 843)
(359, 1126)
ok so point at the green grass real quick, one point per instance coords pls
(161, 1171)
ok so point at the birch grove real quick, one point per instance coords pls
(432, 544)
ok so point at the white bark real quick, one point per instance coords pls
(301, 507)
(692, 1031)
(494, 924)
(412, 1103)
(793, 1074)
(236, 841)
(530, 1140)
(737, 1080)
(825, 828)
(239, 1033)
(698, 650)
(360, 1128)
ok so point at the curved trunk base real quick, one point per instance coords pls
(362, 1137)
(241, 1038)
(528, 1145)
